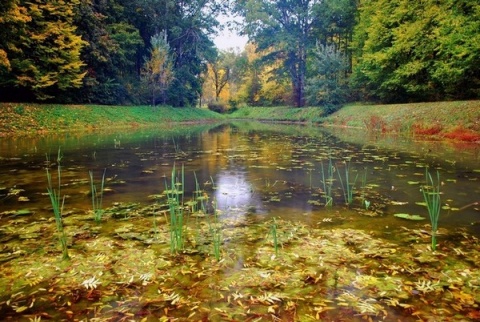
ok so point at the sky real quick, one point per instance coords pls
(229, 39)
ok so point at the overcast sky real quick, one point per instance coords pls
(228, 39)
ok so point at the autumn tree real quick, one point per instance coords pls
(42, 48)
(418, 50)
(157, 72)
(113, 54)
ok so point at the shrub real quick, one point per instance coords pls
(217, 107)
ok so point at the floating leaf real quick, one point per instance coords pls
(409, 217)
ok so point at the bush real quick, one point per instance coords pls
(217, 107)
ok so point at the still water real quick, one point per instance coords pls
(294, 178)
(276, 170)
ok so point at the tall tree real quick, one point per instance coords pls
(113, 54)
(418, 50)
(328, 84)
(158, 69)
(220, 75)
(43, 50)
(284, 28)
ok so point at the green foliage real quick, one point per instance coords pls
(42, 53)
(410, 50)
(328, 84)
(286, 31)
(92, 51)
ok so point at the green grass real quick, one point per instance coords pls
(281, 113)
(34, 118)
(407, 117)
(443, 118)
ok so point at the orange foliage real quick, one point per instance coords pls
(463, 134)
(427, 130)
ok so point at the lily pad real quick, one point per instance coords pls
(409, 217)
(16, 213)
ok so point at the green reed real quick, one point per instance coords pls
(365, 202)
(431, 195)
(347, 186)
(174, 194)
(327, 181)
(97, 196)
(58, 203)
(273, 232)
(215, 230)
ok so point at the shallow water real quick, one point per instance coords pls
(251, 173)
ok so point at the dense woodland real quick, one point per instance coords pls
(301, 52)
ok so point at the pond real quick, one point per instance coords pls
(238, 222)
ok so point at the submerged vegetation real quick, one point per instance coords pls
(254, 225)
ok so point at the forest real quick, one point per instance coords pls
(300, 52)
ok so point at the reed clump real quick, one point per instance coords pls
(97, 196)
(347, 185)
(58, 203)
(431, 195)
(175, 192)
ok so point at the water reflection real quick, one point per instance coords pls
(271, 171)
(234, 194)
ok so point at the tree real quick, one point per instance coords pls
(158, 69)
(220, 75)
(328, 85)
(284, 29)
(418, 50)
(43, 49)
(113, 56)
(13, 20)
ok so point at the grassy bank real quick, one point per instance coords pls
(281, 114)
(459, 120)
(35, 118)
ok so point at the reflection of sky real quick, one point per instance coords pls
(234, 194)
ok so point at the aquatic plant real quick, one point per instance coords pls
(273, 231)
(97, 196)
(174, 194)
(216, 232)
(58, 202)
(431, 195)
(327, 181)
(347, 186)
